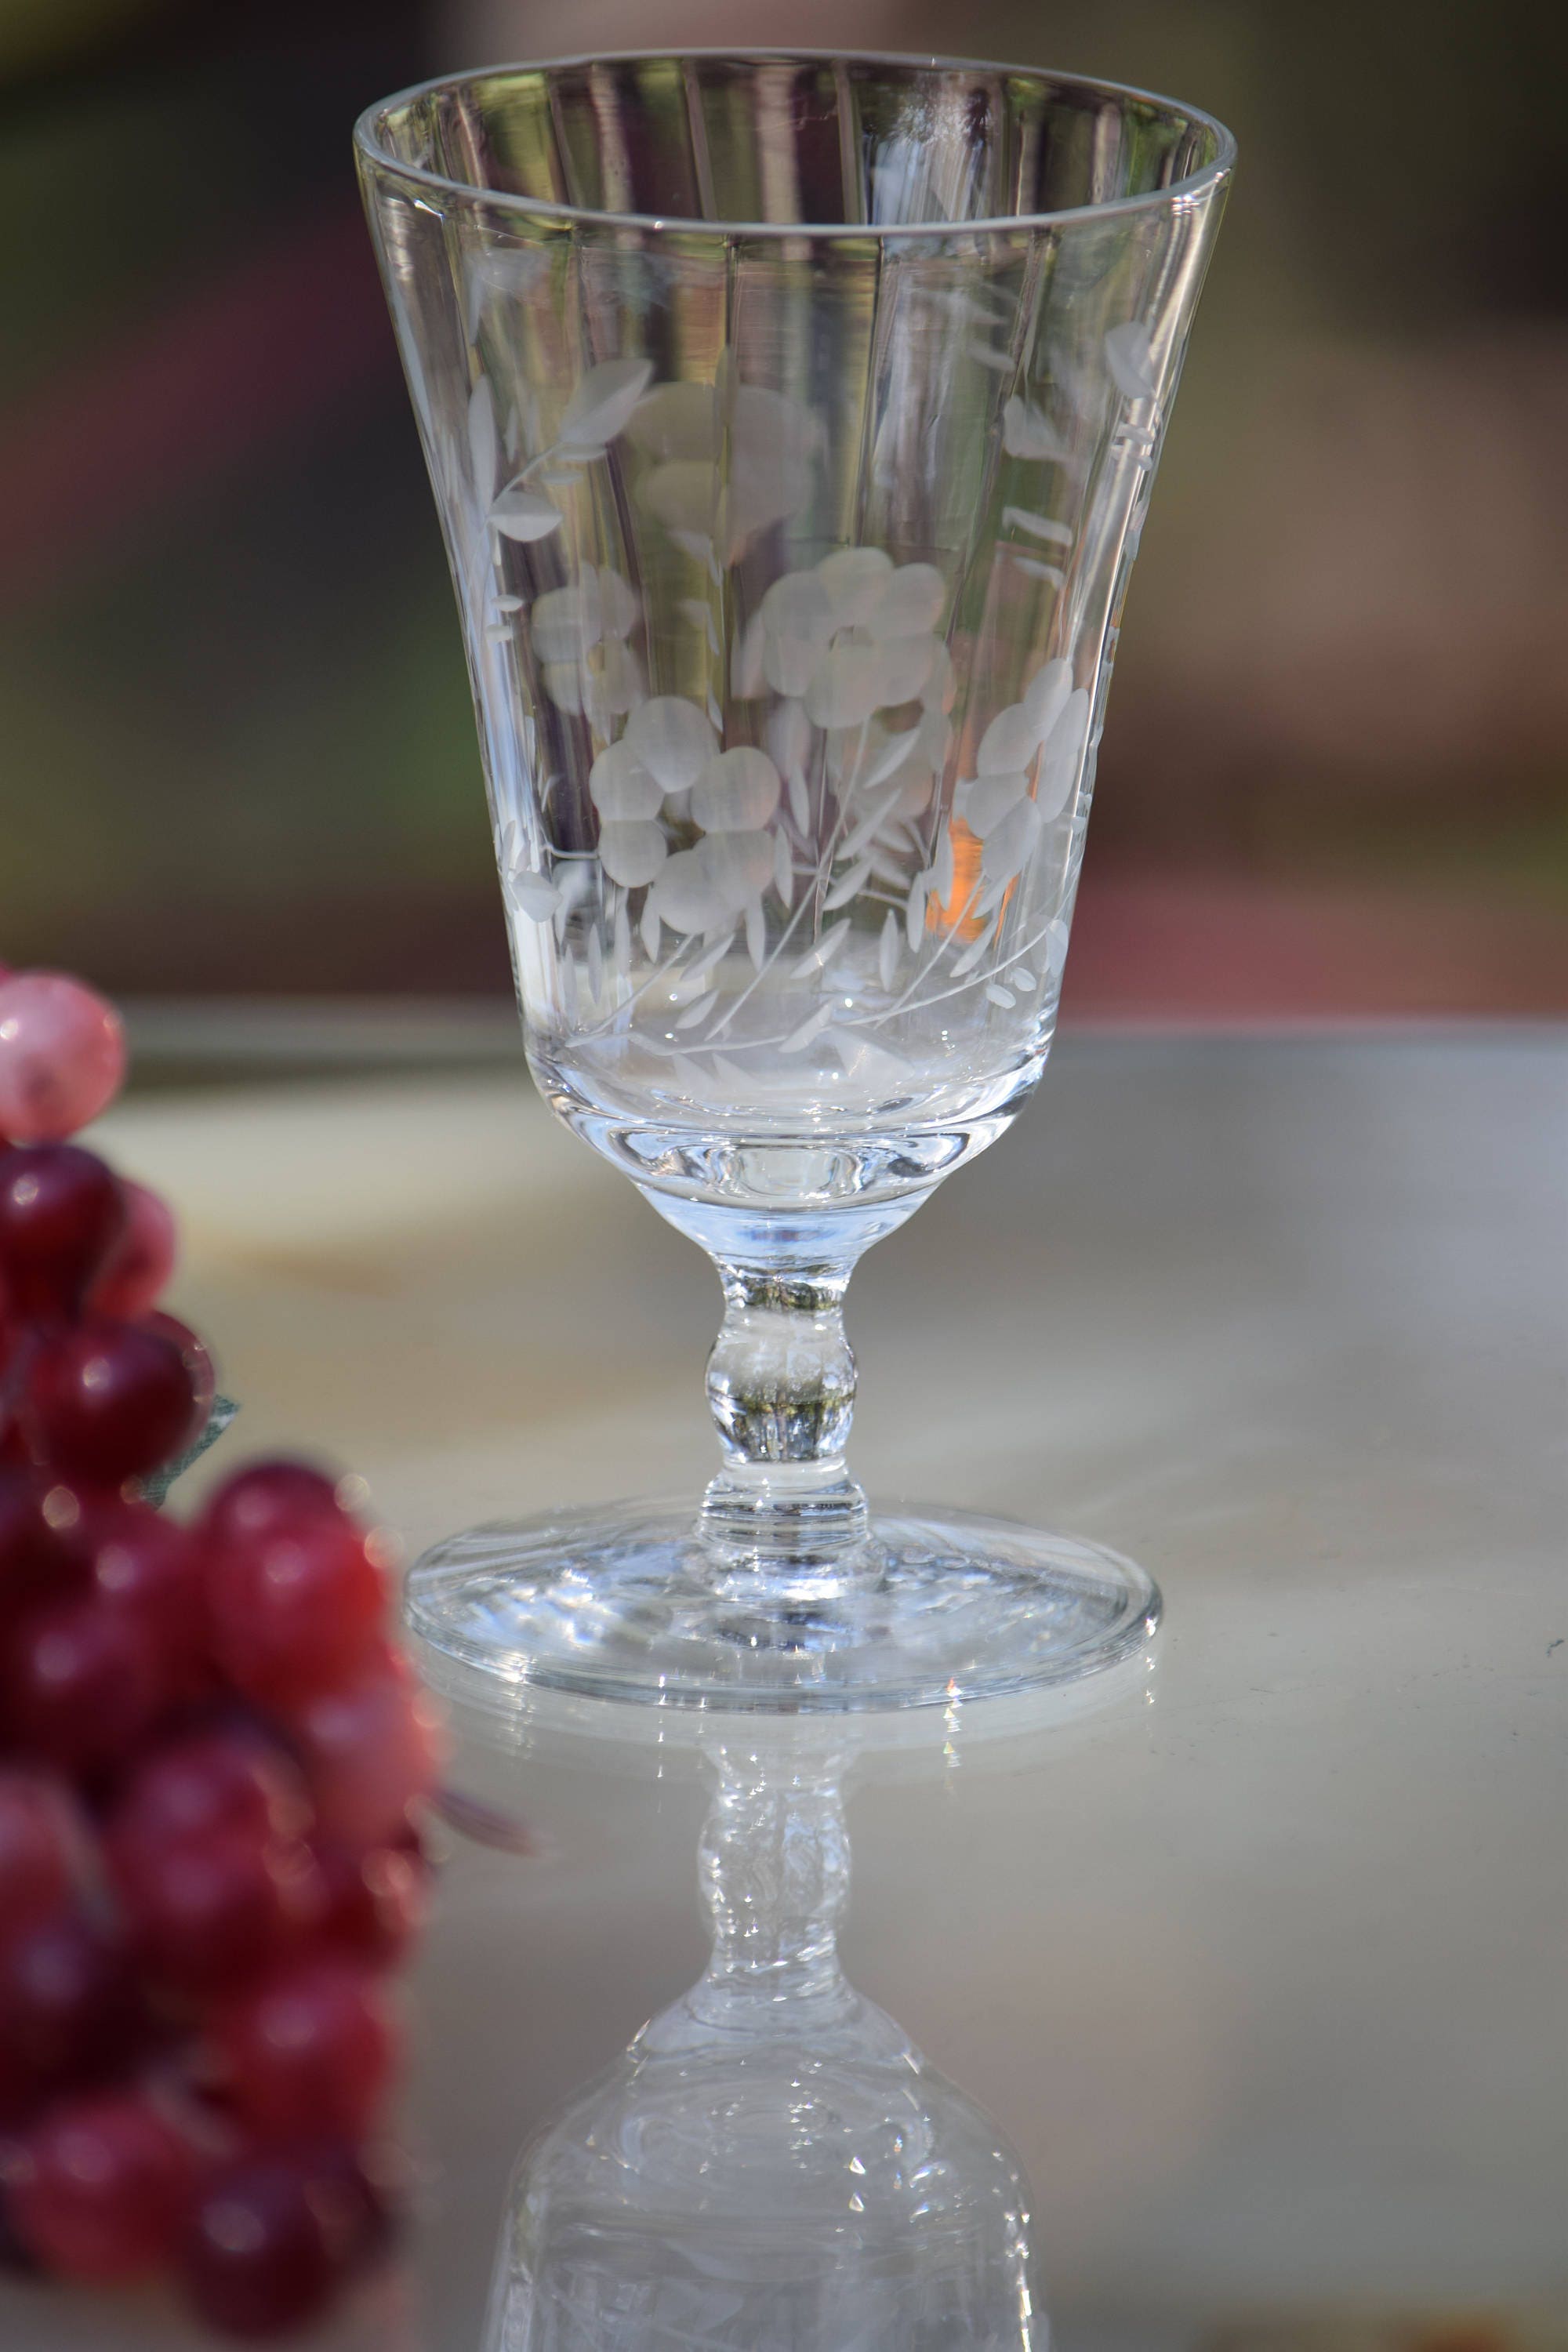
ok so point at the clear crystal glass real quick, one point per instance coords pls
(791, 421)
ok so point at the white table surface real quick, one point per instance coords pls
(1266, 1979)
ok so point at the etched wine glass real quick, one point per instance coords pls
(791, 420)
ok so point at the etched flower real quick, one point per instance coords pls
(579, 638)
(713, 499)
(852, 636)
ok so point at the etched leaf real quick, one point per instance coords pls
(1063, 754)
(989, 798)
(888, 950)
(484, 443)
(1027, 432)
(1130, 360)
(1038, 526)
(848, 887)
(1010, 841)
(1010, 741)
(524, 515)
(601, 405)
(784, 867)
(1045, 695)
(533, 895)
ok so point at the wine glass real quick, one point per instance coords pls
(791, 420)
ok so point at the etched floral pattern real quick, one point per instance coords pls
(837, 812)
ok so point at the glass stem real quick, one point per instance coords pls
(781, 1387)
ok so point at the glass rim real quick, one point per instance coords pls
(367, 144)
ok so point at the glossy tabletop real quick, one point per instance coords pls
(1263, 1970)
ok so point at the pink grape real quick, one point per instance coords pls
(101, 2189)
(61, 1213)
(295, 1610)
(63, 1055)
(80, 1685)
(140, 1264)
(43, 1838)
(372, 1750)
(311, 2049)
(108, 1401)
(261, 2255)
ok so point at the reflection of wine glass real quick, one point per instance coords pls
(791, 421)
(773, 2164)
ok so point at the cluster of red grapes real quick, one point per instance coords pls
(209, 1762)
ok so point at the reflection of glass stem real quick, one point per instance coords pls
(774, 1870)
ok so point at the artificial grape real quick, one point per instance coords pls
(101, 2192)
(149, 1569)
(43, 1838)
(295, 1610)
(79, 1684)
(141, 1262)
(69, 2005)
(197, 1362)
(63, 1055)
(207, 1912)
(311, 2049)
(260, 2255)
(267, 1496)
(376, 1902)
(108, 1402)
(61, 1213)
(205, 1781)
(372, 1750)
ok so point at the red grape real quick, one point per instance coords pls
(197, 1360)
(80, 1683)
(311, 2049)
(42, 1841)
(108, 1401)
(141, 1260)
(210, 1780)
(69, 2005)
(372, 1750)
(61, 1213)
(102, 2188)
(260, 2255)
(32, 1562)
(208, 1910)
(267, 1496)
(149, 1569)
(63, 1055)
(296, 1609)
(376, 1902)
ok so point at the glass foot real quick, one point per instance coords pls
(629, 1602)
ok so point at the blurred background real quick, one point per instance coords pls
(238, 750)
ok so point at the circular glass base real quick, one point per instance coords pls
(629, 1602)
